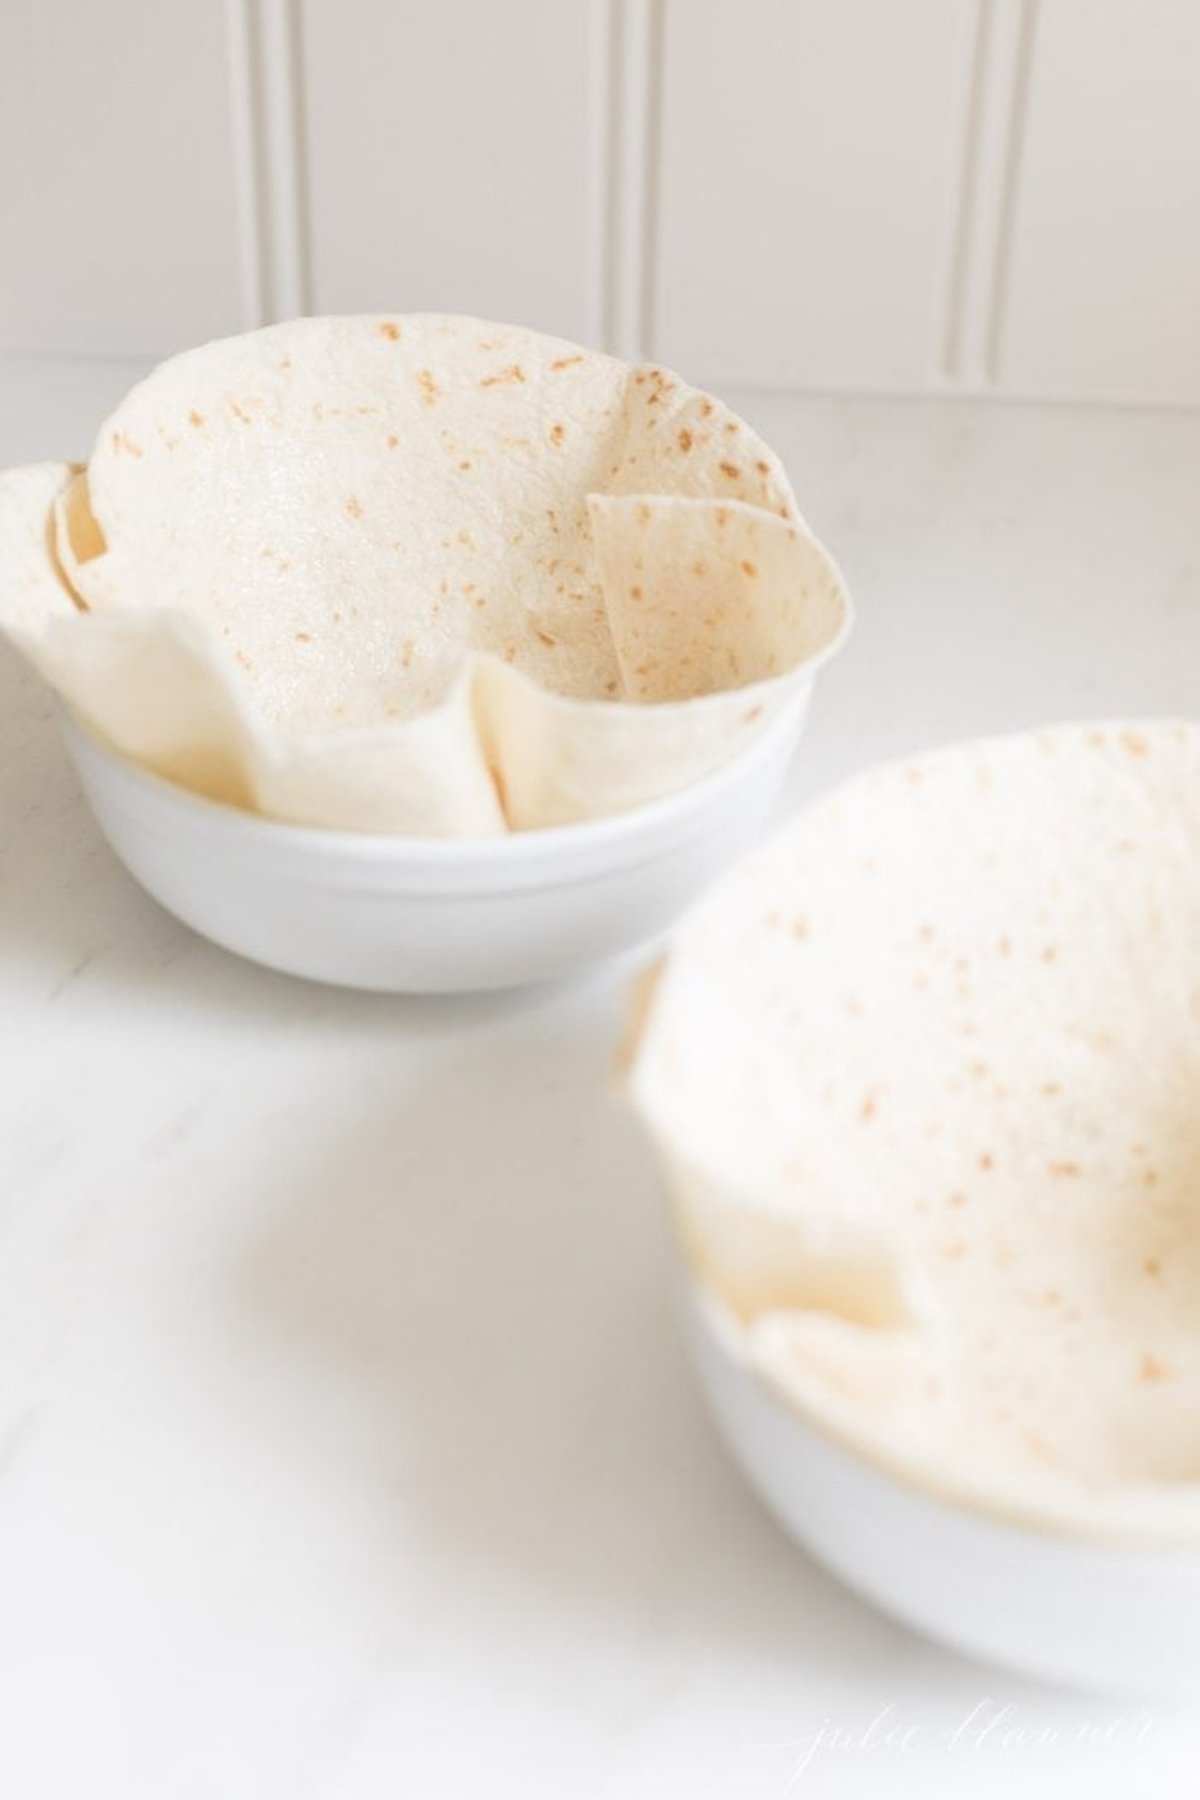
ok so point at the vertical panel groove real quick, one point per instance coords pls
(287, 158)
(267, 119)
(967, 202)
(652, 104)
(604, 52)
(638, 102)
(243, 52)
(1010, 192)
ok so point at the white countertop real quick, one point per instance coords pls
(347, 1446)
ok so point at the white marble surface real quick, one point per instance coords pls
(347, 1449)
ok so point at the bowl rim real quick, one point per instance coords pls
(629, 828)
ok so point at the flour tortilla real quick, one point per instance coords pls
(709, 607)
(156, 685)
(924, 1078)
(406, 550)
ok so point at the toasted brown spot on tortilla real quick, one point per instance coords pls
(1063, 1170)
(354, 507)
(731, 427)
(1050, 953)
(390, 330)
(751, 713)
(565, 362)
(464, 466)
(869, 1108)
(239, 412)
(393, 441)
(304, 637)
(557, 434)
(1135, 743)
(514, 372)
(731, 470)
(1151, 1369)
(764, 468)
(546, 637)
(428, 386)
(195, 418)
(685, 440)
(1152, 1267)
(749, 568)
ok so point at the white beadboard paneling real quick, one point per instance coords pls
(1102, 298)
(51, 407)
(118, 211)
(452, 154)
(810, 172)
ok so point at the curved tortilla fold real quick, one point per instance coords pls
(422, 574)
(748, 606)
(157, 686)
(923, 1077)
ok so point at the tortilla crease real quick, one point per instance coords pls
(922, 1076)
(419, 574)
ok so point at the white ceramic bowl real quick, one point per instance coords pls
(1092, 1613)
(430, 915)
